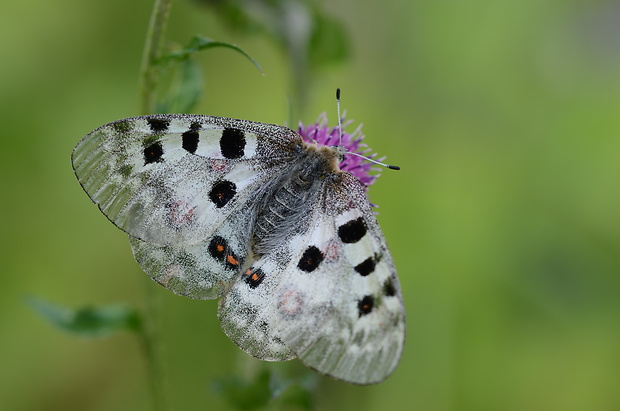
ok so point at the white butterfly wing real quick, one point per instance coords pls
(330, 294)
(174, 179)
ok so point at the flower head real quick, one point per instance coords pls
(324, 135)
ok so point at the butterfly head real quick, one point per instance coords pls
(351, 152)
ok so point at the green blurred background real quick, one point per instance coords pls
(504, 116)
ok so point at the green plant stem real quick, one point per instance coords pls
(152, 49)
(152, 343)
(151, 339)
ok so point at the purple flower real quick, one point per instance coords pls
(323, 135)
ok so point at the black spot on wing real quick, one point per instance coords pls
(218, 247)
(220, 250)
(388, 288)
(311, 259)
(232, 143)
(153, 153)
(158, 125)
(352, 231)
(190, 141)
(365, 305)
(222, 192)
(366, 267)
(191, 138)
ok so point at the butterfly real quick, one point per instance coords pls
(249, 212)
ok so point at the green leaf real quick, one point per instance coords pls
(186, 77)
(199, 43)
(89, 321)
(185, 90)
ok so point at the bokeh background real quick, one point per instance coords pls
(504, 116)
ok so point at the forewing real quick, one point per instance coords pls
(172, 180)
(329, 294)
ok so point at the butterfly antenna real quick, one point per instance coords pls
(339, 118)
(374, 161)
(350, 152)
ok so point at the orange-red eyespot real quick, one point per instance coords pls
(232, 260)
(254, 277)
